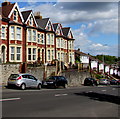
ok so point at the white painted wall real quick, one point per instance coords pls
(111, 71)
(94, 64)
(84, 59)
(107, 69)
(101, 67)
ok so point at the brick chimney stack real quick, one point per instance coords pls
(5, 3)
(37, 15)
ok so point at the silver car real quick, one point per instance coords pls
(104, 82)
(23, 81)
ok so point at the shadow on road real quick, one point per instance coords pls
(100, 97)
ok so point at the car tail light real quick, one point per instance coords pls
(19, 78)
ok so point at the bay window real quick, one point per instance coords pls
(18, 53)
(12, 53)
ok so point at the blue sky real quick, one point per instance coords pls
(94, 24)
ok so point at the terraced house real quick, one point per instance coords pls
(27, 37)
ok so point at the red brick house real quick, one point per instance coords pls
(27, 37)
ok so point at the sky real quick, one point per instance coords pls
(94, 24)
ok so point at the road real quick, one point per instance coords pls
(84, 101)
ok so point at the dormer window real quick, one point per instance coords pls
(15, 15)
(31, 21)
(49, 26)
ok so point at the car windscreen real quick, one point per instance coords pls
(13, 76)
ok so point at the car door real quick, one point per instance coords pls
(33, 81)
(26, 80)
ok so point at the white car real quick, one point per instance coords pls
(23, 81)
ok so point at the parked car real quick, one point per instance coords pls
(114, 82)
(23, 81)
(90, 82)
(55, 81)
(104, 82)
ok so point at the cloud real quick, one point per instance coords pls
(95, 18)
(82, 41)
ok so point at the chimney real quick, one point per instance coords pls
(6, 3)
(78, 49)
(37, 15)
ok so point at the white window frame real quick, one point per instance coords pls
(34, 35)
(18, 32)
(34, 54)
(42, 38)
(3, 32)
(38, 37)
(18, 53)
(48, 55)
(29, 54)
(48, 39)
(15, 16)
(12, 52)
(31, 21)
(12, 32)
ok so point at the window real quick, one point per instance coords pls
(38, 38)
(29, 35)
(52, 39)
(18, 53)
(18, 33)
(48, 54)
(48, 38)
(29, 53)
(58, 42)
(12, 32)
(59, 56)
(34, 35)
(15, 15)
(42, 38)
(12, 53)
(3, 32)
(31, 21)
(52, 54)
(34, 53)
(49, 26)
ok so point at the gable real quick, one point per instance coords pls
(70, 34)
(49, 26)
(16, 8)
(59, 30)
(31, 20)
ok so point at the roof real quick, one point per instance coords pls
(26, 14)
(7, 9)
(42, 22)
(65, 31)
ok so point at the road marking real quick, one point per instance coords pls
(60, 95)
(90, 91)
(113, 89)
(103, 90)
(9, 99)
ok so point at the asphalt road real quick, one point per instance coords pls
(84, 101)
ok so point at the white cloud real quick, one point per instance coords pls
(102, 20)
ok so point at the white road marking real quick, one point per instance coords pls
(60, 95)
(90, 91)
(9, 99)
(113, 89)
(103, 90)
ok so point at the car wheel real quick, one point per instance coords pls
(39, 86)
(23, 86)
(65, 86)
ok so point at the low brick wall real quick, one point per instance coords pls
(6, 70)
